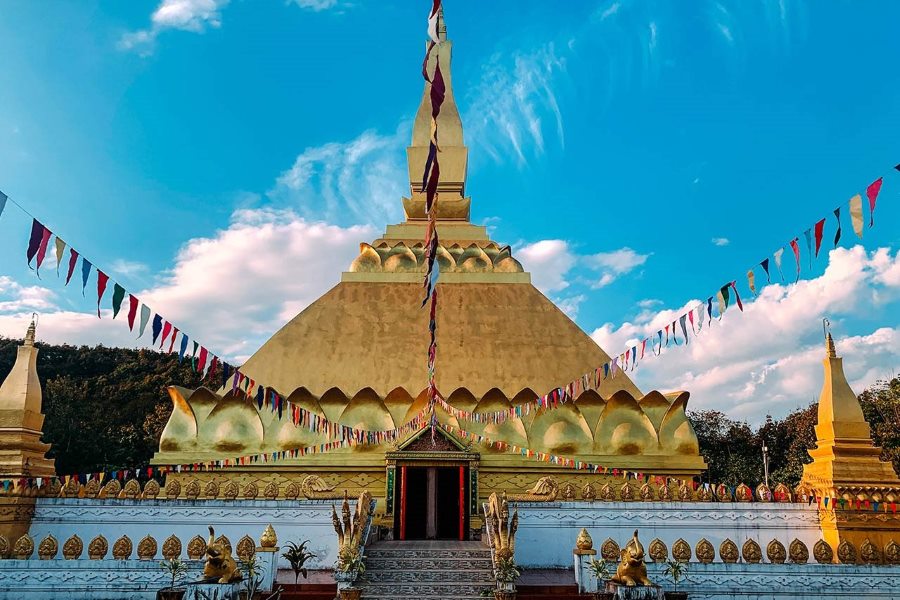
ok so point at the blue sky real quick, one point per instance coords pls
(225, 158)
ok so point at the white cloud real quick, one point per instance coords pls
(612, 265)
(316, 5)
(231, 290)
(720, 241)
(185, 15)
(128, 267)
(610, 10)
(548, 261)
(766, 360)
(348, 182)
(571, 304)
(506, 108)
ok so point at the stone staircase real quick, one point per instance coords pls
(427, 570)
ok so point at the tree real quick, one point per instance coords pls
(881, 407)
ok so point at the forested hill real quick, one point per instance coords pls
(105, 407)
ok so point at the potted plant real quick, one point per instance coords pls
(506, 571)
(177, 569)
(252, 578)
(348, 567)
(600, 571)
(676, 570)
(297, 556)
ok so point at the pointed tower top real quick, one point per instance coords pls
(29, 334)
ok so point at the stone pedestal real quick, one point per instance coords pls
(638, 592)
(268, 563)
(222, 591)
(583, 578)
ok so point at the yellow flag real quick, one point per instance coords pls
(856, 214)
(751, 280)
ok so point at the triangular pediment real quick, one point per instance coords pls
(423, 441)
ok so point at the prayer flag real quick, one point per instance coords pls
(751, 281)
(737, 297)
(820, 229)
(156, 328)
(172, 341)
(778, 254)
(795, 246)
(3, 198)
(85, 273)
(102, 280)
(837, 234)
(34, 241)
(73, 260)
(684, 327)
(167, 329)
(183, 349)
(118, 296)
(433, 21)
(145, 318)
(856, 214)
(60, 247)
(872, 195)
(132, 310)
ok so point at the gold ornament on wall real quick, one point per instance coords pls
(192, 490)
(626, 492)
(665, 493)
(92, 488)
(723, 494)
(646, 493)
(151, 489)
(268, 539)
(73, 548)
(23, 548)
(111, 489)
(584, 541)
(728, 552)
(251, 491)
(776, 552)
(846, 553)
(705, 551)
(292, 491)
(763, 493)
(681, 550)
(98, 548)
(173, 489)
(743, 493)
(606, 493)
(568, 493)
(54, 488)
(892, 553)
(246, 548)
(823, 553)
(211, 489)
(171, 547)
(545, 489)
(782, 493)
(589, 492)
(869, 553)
(685, 493)
(70, 490)
(705, 493)
(751, 552)
(609, 550)
(131, 490)
(196, 548)
(122, 548)
(48, 548)
(4, 547)
(224, 542)
(658, 550)
(147, 548)
(798, 552)
(270, 492)
(231, 491)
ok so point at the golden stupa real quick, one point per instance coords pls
(357, 356)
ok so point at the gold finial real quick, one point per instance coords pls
(268, 539)
(829, 341)
(29, 335)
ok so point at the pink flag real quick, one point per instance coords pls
(796, 248)
(872, 195)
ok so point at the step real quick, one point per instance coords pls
(430, 577)
(447, 553)
(402, 562)
(443, 591)
(309, 591)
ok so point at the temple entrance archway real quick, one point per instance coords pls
(432, 489)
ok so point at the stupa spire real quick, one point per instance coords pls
(21, 451)
(453, 204)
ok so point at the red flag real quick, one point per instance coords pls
(796, 248)
(201, 362)
(172, 343)
(42, 249)
(102, 279)
(872, 195)
(73, 260)
(820, 227)
(737, 296)
(132, 305)
(167, 329)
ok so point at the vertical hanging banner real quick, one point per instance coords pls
(856, 215)
(872, 195)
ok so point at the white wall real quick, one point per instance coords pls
(547, 531)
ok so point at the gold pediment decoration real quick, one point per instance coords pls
(658, 550)
(751, 552)
(122, 548)
(98, 548)
(192, 490)
(728, 551)
(196, 548)
(48, 548)
(4, 547)
(869, 553)
(626, 492)
(589, 492)
(270, 492)
(173, 489)
(72, 548)
(546, 489)
(147, 548)
(892, 553)
(231, 491)
(171, 547)
(211, 490)
(23, 548)
(92, 488)
(131, 490)
(609, 550)
(798, 552)
(823, 553)
(151, 489)
(251, 491)
(706, 553)
(846, 553)
(776, 552)
(246, 548)
(681, 550)
(111, 489)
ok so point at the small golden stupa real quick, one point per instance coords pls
(357, 356)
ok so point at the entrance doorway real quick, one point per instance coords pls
(432, 502)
